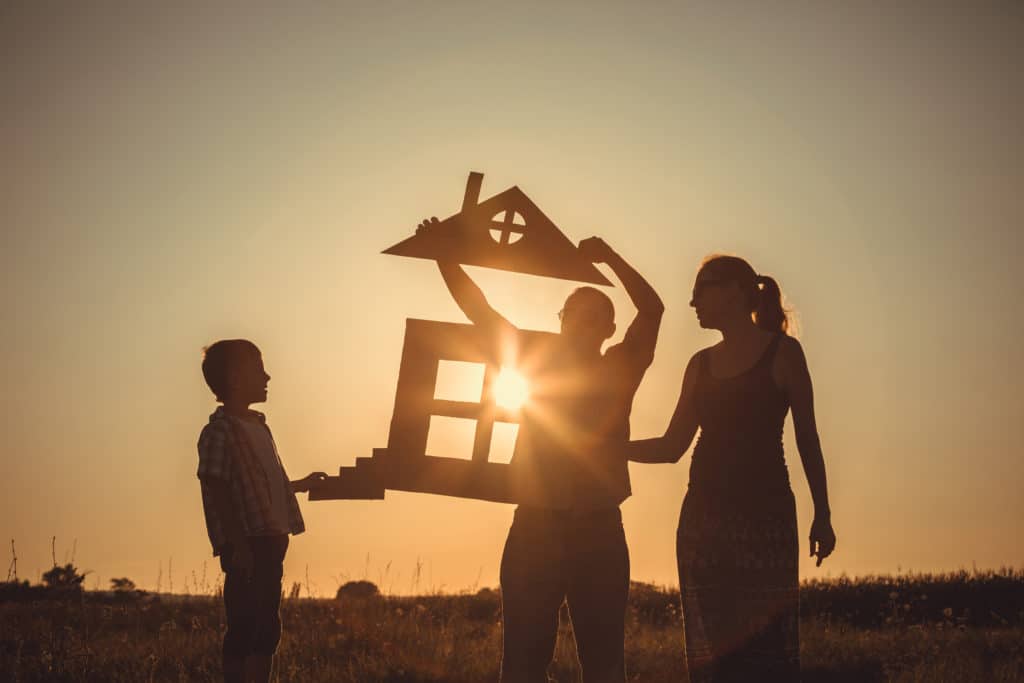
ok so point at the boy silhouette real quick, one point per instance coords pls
(250, 507)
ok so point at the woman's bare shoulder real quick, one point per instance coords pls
(706, 351)
(791, 352)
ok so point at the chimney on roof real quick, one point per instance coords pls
(472, 190)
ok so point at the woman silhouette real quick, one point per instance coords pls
(737, 545)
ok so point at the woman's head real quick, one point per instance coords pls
(727, 287)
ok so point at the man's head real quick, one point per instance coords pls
(588, 317)
(233, 369)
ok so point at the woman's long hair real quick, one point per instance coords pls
(764, 297)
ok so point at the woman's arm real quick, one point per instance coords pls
(681, 428)
(797, 384)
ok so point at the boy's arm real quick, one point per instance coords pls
(307, 482)
(214, 473)
(234, 532)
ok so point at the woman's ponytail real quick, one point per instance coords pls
(769, 313)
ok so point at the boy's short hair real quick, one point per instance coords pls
(220, 359)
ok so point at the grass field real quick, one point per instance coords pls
(958, 627)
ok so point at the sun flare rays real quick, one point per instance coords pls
(511, 390)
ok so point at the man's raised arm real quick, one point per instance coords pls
(642, 334)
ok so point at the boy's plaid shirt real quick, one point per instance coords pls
(226, 454)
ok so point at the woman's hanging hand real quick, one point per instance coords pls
(823, 538)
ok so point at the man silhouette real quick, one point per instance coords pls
(566, 543)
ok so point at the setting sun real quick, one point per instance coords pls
(511, 389)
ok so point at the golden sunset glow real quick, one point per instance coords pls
(511, 390)
(183, 176)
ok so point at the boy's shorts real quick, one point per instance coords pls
(253, 603)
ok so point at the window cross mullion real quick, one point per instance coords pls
(485, 423)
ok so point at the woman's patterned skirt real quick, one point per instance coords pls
(738, 578)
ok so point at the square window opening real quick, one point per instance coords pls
(503, 442)
(451, 437)
(459, 381)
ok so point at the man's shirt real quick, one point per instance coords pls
(569, 451)
(240, 451)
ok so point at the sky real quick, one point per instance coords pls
(178, 173)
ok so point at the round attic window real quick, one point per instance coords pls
(508, 227)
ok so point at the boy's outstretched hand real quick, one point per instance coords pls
(310, 480)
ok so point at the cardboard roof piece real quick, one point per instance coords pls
(506, 232)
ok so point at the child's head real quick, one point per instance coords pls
(233, 369)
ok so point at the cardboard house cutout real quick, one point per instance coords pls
(507, 232)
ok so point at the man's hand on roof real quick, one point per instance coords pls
(428, 225)
(595, 250)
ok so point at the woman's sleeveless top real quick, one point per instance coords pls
(738, 460)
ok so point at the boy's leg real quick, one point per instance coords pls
(268, 560)
(598, 592)
(239, 613)
(532, 591)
